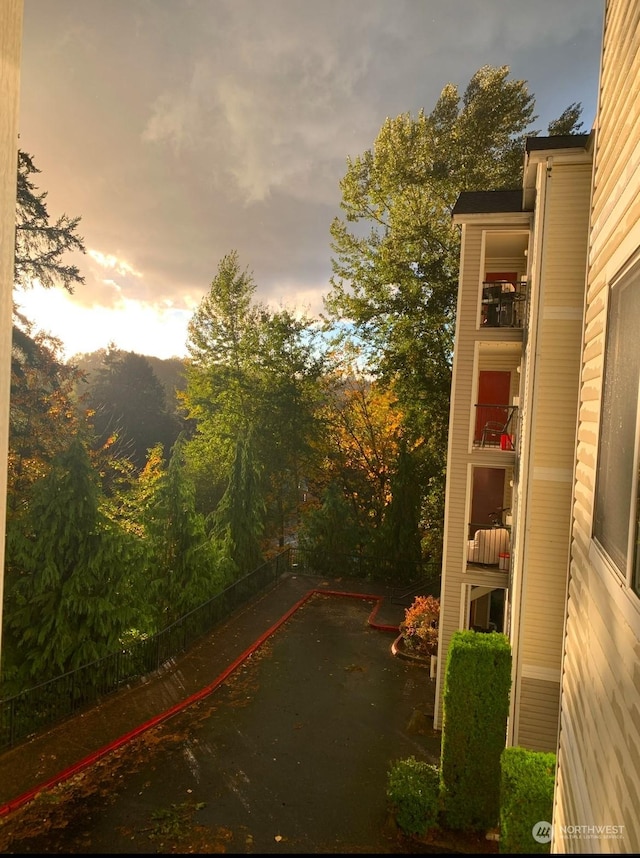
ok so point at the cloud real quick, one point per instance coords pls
(109, 260)
(182, 130)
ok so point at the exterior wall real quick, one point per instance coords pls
(11, 12)
(548, 442)
(598, 779)
(460, 456)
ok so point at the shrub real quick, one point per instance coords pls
(526, 797)
(413, 790)
(419, 629)
(475, 709)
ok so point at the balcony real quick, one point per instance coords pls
(495, 426)
(489, 546)
(504, 304)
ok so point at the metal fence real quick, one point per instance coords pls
(382, 570)
(44, 705)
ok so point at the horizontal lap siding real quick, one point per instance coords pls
(538, 721)
(551, 450)
(599, 761)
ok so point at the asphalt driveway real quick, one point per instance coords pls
(289, 754)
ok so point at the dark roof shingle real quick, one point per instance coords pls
(486, 202)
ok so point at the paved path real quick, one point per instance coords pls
(296, 709)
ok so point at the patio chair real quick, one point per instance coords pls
(493, 432)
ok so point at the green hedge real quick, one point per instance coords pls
(526, 798)
(413, 791)
(475, 709)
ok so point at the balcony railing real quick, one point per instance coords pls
(496, 426)
(504, 304)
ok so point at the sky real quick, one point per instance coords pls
(182, 130)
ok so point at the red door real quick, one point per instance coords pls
(494, 388)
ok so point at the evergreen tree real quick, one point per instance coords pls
(41, 245)
(238, 520)
(185, 567)
(129, 405)
(70, 582)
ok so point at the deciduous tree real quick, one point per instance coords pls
(395, 263)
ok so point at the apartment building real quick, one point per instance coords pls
(512, 429)
(542, 507)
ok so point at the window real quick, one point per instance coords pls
(616, 504)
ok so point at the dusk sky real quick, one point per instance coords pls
(180, 130)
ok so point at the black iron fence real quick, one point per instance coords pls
(38, 708)
(377, 569)
(504, 304)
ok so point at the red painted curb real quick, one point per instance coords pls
(69, 772)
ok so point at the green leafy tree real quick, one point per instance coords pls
(401, 536)
(395, 265)
(42, 418)
(331, 534)
(568, 122)
(42, 415)
(69, 593)
(290, 366)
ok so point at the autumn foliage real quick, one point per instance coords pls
(419, 628)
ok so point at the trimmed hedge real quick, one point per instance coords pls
(413, 790)
(526, 798)
(475, 709)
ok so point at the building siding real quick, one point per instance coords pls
(548, 440)
(458, 481)
(598, 780)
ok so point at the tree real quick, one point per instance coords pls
(184, 565)
(252, 373)
(395, 264)
(221, 379)
(402, 526)
(239, 517)
(290, 366)
(40, 245)
(129, 403)
(568, 122)
(42, 414)
(70, 572)
(363, 421)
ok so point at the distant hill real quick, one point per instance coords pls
(169, 371)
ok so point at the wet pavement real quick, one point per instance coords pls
(273, 735)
